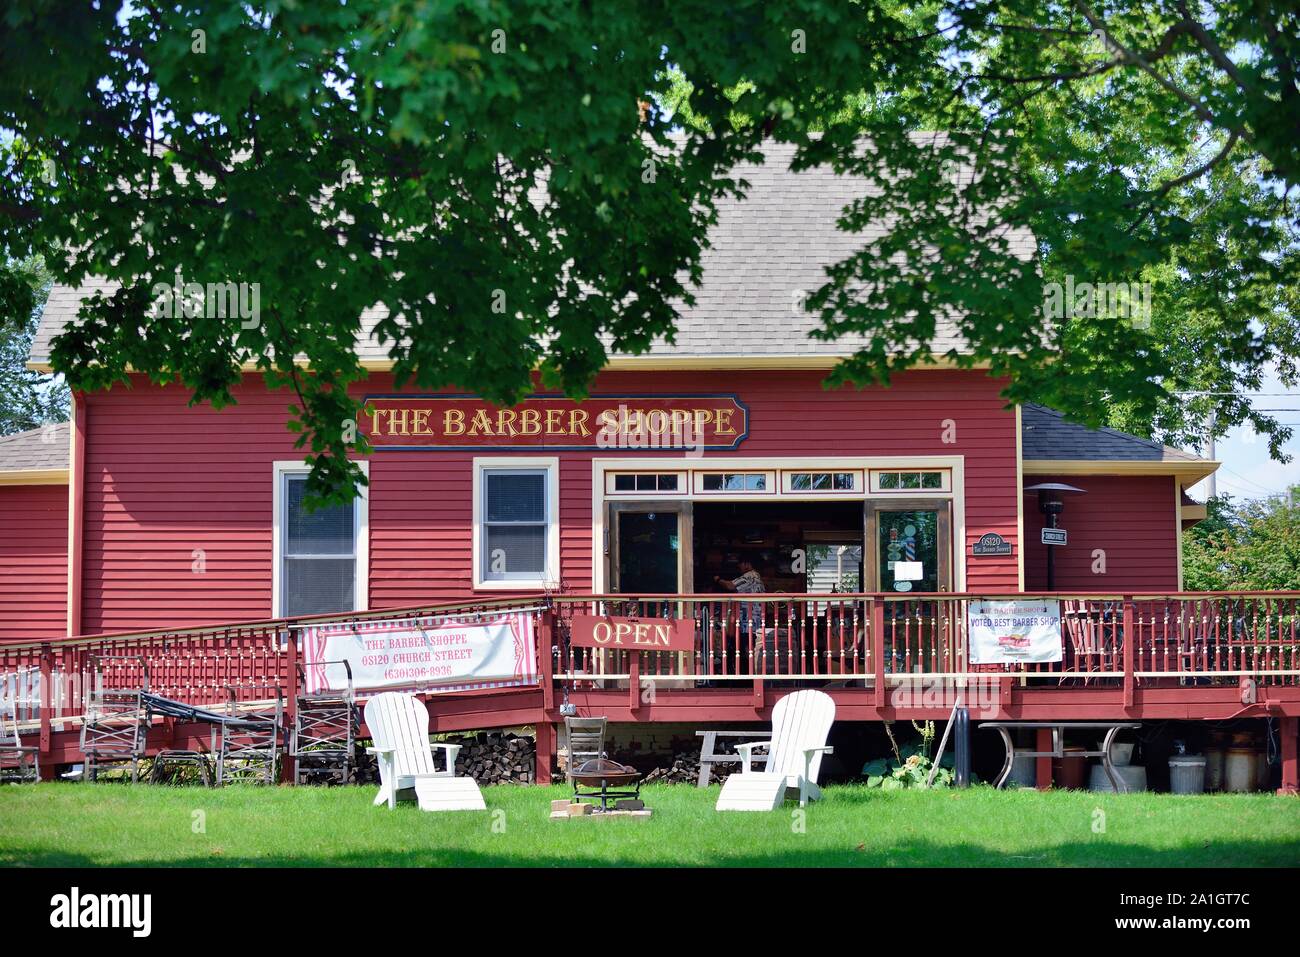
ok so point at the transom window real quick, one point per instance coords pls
(822, 481)
(734, 481)
(909, 480)
(320, 561)
(647, 482)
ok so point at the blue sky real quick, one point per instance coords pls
(1247, 470)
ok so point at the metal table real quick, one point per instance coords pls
(1059, 728)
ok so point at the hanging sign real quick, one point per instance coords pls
(1054, 536)
(425, 655)
(632, 634)
(1013, 631)
(627, 423)
(990, 543)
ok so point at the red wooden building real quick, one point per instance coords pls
(158, 524)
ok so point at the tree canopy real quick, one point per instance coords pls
(27, 399)
(483, 170)
(1250, 545)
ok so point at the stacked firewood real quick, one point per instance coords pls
(684, 768)
(496, 757)
(489, 757)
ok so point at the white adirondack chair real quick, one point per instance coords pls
(399, 724)
(800, 724)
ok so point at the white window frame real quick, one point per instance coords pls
(361, 515)
(955, 464)
(683, 484)
(550, 465)
(769, 480)
(787, 482)
(945, 482)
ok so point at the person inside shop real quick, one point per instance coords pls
(749, 583)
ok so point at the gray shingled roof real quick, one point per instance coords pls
(765, 250)
(1046, 435)
(38, 449)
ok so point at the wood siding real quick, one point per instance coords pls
(167, 484)
(1131, 519)
(33, 562)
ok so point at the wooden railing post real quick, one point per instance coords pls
(290, 699)
(878, 650)
(634, 681)
(1289, 731)
(545, 658)
(1130, 654)
(544, 753)
(45, 697)
(1043, 741)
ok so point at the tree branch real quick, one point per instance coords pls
(1199, 108)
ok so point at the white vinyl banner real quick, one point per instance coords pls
(1014, 631)
(423, 654)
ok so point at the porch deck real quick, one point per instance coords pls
(1198, 656)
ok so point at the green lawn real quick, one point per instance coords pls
(112, 824)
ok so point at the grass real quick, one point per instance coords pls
(61, 824)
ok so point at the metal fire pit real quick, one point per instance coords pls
(606, 781)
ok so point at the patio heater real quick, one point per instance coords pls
(1051, 504)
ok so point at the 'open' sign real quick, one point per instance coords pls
(639, 634)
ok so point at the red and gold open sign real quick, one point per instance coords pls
(634, 634)
(622, 422)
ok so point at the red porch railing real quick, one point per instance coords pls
(857, 640)
(1197, 638)
(50, 682)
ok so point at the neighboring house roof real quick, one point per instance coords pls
(35, 455)
(1046, 438)
(765, 252)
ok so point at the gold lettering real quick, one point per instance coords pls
(723, 418)
(702, 418)
(420, 422)
(530, 422)
(506, 422)
(554, 421)
(453, 422)
(480, 424)
(578, 422)
(375, 427)
(397, 422)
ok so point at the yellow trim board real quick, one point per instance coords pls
(666, 363)
(1020, 502)
(1188, 471)
(1178, 528)
(34, 477)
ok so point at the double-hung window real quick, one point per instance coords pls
(320, 560)
(516, 528)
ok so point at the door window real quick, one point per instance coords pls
(908, 550)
